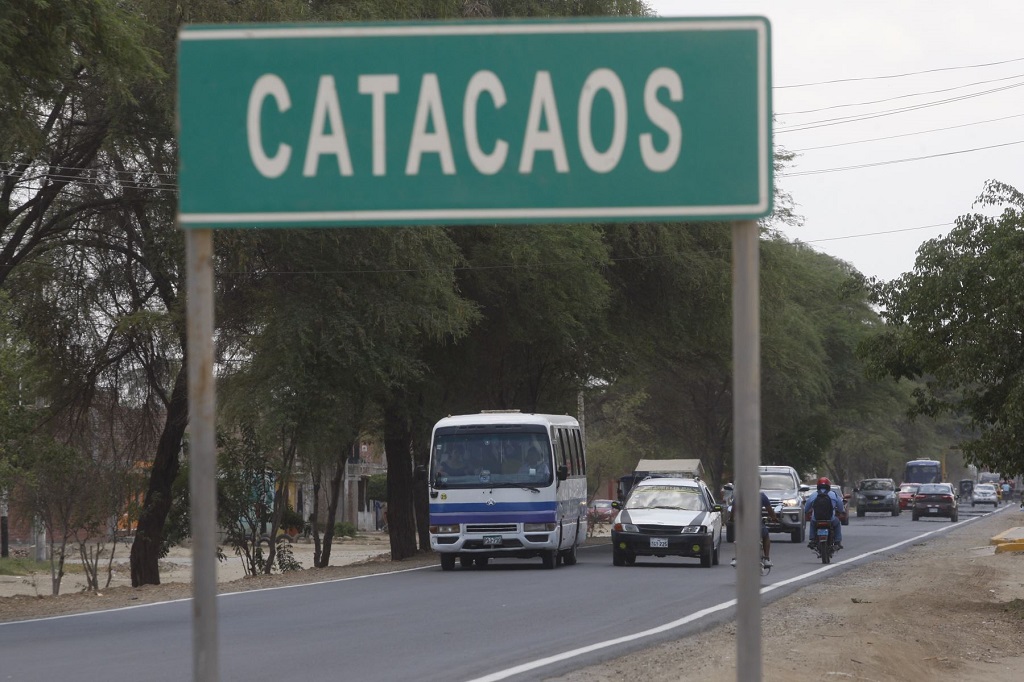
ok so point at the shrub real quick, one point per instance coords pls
(345, 529)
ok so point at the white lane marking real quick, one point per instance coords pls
(225, 594)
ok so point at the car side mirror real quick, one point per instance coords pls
(616, 504)
(562, 472)
(804, 488)
(717, 508)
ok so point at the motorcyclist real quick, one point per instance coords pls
(824, 488)
(766, 542)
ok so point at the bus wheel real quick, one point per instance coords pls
(447, 562)
(548, 558)
(569, 556)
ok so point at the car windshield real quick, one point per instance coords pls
(908, 488)
(933, 489)
(776, 482)
(876, 485)
(602, 504)
(666, 497)
(984, 488)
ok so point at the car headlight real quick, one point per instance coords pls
(791, 503)
(538, 527)
(625, 528)
(444, 530)
(695, 529)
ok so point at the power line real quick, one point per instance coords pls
(890, 99)
(864, 117)
(899, 75)
(919, 132)
(894, 161)
(876, 234)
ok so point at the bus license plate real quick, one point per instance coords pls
(659, 542)
(492, 539)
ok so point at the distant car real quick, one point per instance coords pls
(877, 495)
(601, 511)
(667, 517)
(906, 494)
(844, 518)
(935, 499)
(985, 493)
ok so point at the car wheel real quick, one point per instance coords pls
(730, 533)
(706, 558)
(860, 514)
(630, 559)
(547, 559)
(447, 562)
(714, 554)
(972, 504)
(569, 556)
(465, 561)
(797, 534)
(481, 562)
(896, 511)
(618, 557)
(953, 517)
(915, 517)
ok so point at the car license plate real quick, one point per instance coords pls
(492, 539)
(659, 542)
(932, 509)
(823, 532)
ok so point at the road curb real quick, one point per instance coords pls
(1011, 540)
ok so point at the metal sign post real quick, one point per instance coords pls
(479, 122)
(746, 401)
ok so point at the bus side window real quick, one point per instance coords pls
(581, 456)
(566, 453)
(556, 445)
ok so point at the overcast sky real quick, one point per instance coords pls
(876, 217)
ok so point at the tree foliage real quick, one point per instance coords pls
(955, 324)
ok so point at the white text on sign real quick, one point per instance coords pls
(430, 133)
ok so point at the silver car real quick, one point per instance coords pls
(984, 493)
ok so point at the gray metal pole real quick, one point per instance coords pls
(746, 353)
(202, 454)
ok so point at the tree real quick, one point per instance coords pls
(954, 323)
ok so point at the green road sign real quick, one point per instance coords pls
(475, 122)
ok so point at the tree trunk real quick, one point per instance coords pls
(332, 505)
(315, 520)
(420, 499)
(401, 512)
(149, 536)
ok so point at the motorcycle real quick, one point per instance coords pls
(825, 545)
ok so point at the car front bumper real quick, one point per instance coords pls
(877, 504)
(791, 519)
(676, 544)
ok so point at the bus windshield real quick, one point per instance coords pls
(489, 460)
(923, 472)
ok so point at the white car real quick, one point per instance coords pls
(667, 517)
(984, 493)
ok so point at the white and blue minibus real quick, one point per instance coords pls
(506, 484)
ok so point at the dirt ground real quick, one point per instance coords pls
(947, 609)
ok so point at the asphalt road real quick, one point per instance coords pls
(511, 620)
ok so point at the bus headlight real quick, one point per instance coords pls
(444, 530)
(538, 527)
